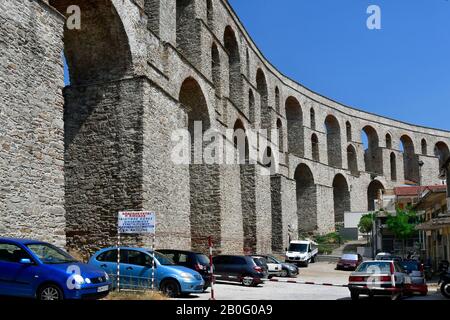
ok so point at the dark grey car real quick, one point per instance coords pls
(288, 269)
(243, 269)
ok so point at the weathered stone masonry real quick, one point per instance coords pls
(71, 158)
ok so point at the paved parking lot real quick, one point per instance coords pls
(319, 272)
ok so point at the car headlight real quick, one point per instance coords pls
(87, 280)
(187, 276)
(78, 279)
(106, 276)
(75, 281)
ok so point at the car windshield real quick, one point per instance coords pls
(375, 267)
(274, 259)
(349, 257)
(410, 266)
(49, 254)
(298, 247)
(163, 260)
(203, 259)
(260, 262)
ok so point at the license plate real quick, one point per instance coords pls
(103, 289)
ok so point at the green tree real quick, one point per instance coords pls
(403, 224)
(365, 224)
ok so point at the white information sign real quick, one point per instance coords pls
(136, 222)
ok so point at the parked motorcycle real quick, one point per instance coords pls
(444, 282)
(443, 267)
(444, 279)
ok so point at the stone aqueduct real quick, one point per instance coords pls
(71, 158)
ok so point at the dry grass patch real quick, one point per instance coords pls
(136, 295)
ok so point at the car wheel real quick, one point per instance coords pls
(247, 281)
(313, 259)
(170, 288)
(284, 274)
(354, 295)
(50, 292)
(445, 289)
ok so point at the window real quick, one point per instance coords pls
(12, 253)
(203, 259)
(111, 256)
(375, 267)
(272, 260)
(49, 254)
(238, 260)
(349, 131)
(163, 259)
(138, 258)
(312, 114)
(183, 258)
(297, 247)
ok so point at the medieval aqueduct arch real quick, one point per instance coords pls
(140, 69)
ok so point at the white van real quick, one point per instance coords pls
(302, 252)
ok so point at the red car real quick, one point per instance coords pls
(349, 261)
(415, 271)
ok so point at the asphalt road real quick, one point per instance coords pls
(318, 272)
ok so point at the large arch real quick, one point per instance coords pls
(372, 194)
(306, 194)
(261, 87)
(100, 51)
(341, 199)
(373, 154)
(101, 125)
(352, 160)
(234, 64)
(294, 118)
(204, 179)
(410, 160)
(334, 146)
(441, 151)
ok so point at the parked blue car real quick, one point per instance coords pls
(35, 269)
(136, 271)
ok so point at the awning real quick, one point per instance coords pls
(434, 224)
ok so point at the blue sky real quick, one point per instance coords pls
(401, 71)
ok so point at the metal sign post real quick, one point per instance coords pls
(153, 259)
(136, 222)
(118, 261)
(211, 267)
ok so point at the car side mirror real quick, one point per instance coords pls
(25, 261)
